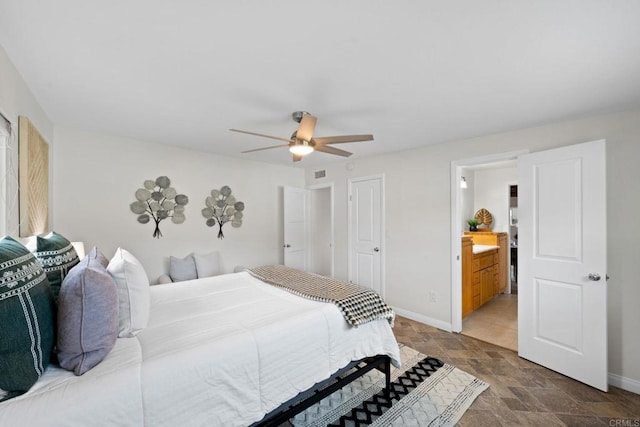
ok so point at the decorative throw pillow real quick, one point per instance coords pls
(134, 298)
(182, 269)
(57, 256)
(27, 319)
(99, 257)
(207, 265)
(87, 315)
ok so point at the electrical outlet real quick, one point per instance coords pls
(433, 297)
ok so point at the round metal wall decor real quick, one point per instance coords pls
(157, 201)
(222, 207)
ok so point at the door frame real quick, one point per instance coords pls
(456, 229)
(330, 186)
(350, 183)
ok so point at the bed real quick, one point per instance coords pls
(224, 350)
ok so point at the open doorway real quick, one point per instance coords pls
(513, 238)
(490, 278)
(321, 230)
(308, 229)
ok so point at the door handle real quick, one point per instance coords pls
(376, 249)
(286, 245)
(594, 277)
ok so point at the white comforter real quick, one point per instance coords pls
(224, 351)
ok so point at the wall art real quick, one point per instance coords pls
(158, 201)
(33, 154)
(222, 207)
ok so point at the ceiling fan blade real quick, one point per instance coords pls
(259, 134)
(342, 138)
(306, 127)
(265, 148)
(331, 150)
(297, 157)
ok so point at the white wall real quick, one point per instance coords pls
(491, 191)
(418, 219)
(467, 200)
(96, 176)
(17, 100)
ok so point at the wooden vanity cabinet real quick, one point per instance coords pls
(503, 263)
(484, 275)
(468, 291)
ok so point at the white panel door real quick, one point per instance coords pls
(295, 227)
(562, 301)
(365, 230)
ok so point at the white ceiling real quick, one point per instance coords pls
(411, 72)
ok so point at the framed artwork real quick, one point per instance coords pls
(33, 176)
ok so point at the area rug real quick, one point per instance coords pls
(424, 392)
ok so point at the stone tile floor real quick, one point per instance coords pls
(521, 393)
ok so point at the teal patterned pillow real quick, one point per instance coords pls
(57, 256)
(27, 315)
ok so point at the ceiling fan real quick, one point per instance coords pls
(302, 141)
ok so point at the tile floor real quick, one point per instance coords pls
(521, 393)
(495, 322)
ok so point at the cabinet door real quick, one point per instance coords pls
(486, 285)
(503, 264)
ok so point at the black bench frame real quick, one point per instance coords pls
(320, 390)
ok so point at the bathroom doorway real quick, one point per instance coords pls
(491, 185)
(513, 238)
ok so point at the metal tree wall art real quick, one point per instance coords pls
(221, 208)
(159, 201)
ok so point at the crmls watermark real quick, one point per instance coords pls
(624, 423)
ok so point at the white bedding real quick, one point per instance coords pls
(223, 350)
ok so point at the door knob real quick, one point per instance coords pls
(594, 277)
(286, 245)
(376, 249)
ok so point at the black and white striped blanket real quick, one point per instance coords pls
(358, 304)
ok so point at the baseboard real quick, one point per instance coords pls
(624, 383)
(423, 319)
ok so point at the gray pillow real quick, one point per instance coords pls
(182, 269)
(87, 315)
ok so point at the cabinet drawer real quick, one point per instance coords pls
(485, 261)
(476, 277)
(476, 264)
(476, 290)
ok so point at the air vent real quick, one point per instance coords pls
(320, 174)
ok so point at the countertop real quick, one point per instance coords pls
(478, 249)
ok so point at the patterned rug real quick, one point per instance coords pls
(424, 392)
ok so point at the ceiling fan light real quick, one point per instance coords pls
(301, 149)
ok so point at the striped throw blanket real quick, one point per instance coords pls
(358, 304)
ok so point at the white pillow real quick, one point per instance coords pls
(207, 265)
(164, 279)
(134, 298)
